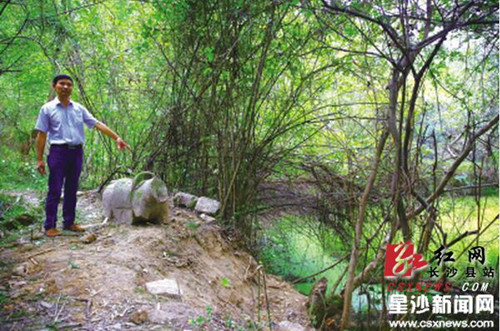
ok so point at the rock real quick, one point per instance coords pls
(289, 326)
(90, 193)
(22, 241)
(207, 205)
(46, 304)
(88, 238)
(179, 262)
(175, 315)
(117, 326)
(18, 222)
(139, 317)
(21, 270)
(208, 219)
(165, 286)
(24, 219)
(185, 200)
(143, 198)
(37, 237)
(26, 247)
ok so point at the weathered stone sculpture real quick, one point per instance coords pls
(143, 198)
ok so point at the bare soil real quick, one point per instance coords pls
(96, 281)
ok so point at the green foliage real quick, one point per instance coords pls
(16, 173)
(192, 225)
(4, 298)
(465, 212)
(72, 264)
(210, 320)
(192, 204)
(202, 321)
(217, 96)
(225, 282)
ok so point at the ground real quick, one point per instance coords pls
(96, 281)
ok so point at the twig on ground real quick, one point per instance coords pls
(268, 310)
(69, 325)
(88, 309)
(57, 304)
(127, 308)
(95, 293)
(59, 312)
(42, 252)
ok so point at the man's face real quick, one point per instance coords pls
(63, 87)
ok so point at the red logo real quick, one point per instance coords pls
(401, 261)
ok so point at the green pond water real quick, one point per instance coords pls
(296, 247)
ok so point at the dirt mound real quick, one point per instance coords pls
(99, 281)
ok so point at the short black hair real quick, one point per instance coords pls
(59, 77)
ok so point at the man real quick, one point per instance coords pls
(62, 119)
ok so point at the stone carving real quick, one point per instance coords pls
(143, 198)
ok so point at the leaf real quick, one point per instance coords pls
(209, 53)
(349, 30)
(73, 264)
(225, 282)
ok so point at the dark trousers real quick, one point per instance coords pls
(65, 166)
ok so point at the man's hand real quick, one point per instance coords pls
(41, 137)
(110, 133)
(121, 144)
(40, 166)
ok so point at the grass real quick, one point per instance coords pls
(460, 215)
(4, 298)
(192, 225)
(464, 214)
(17, 173)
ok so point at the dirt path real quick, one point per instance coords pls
(97, 281)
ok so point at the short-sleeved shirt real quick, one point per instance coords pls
(64, 125)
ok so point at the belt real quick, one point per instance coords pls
(69, 146)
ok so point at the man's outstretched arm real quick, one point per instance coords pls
(110, 133)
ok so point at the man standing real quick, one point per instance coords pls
(63, 120)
